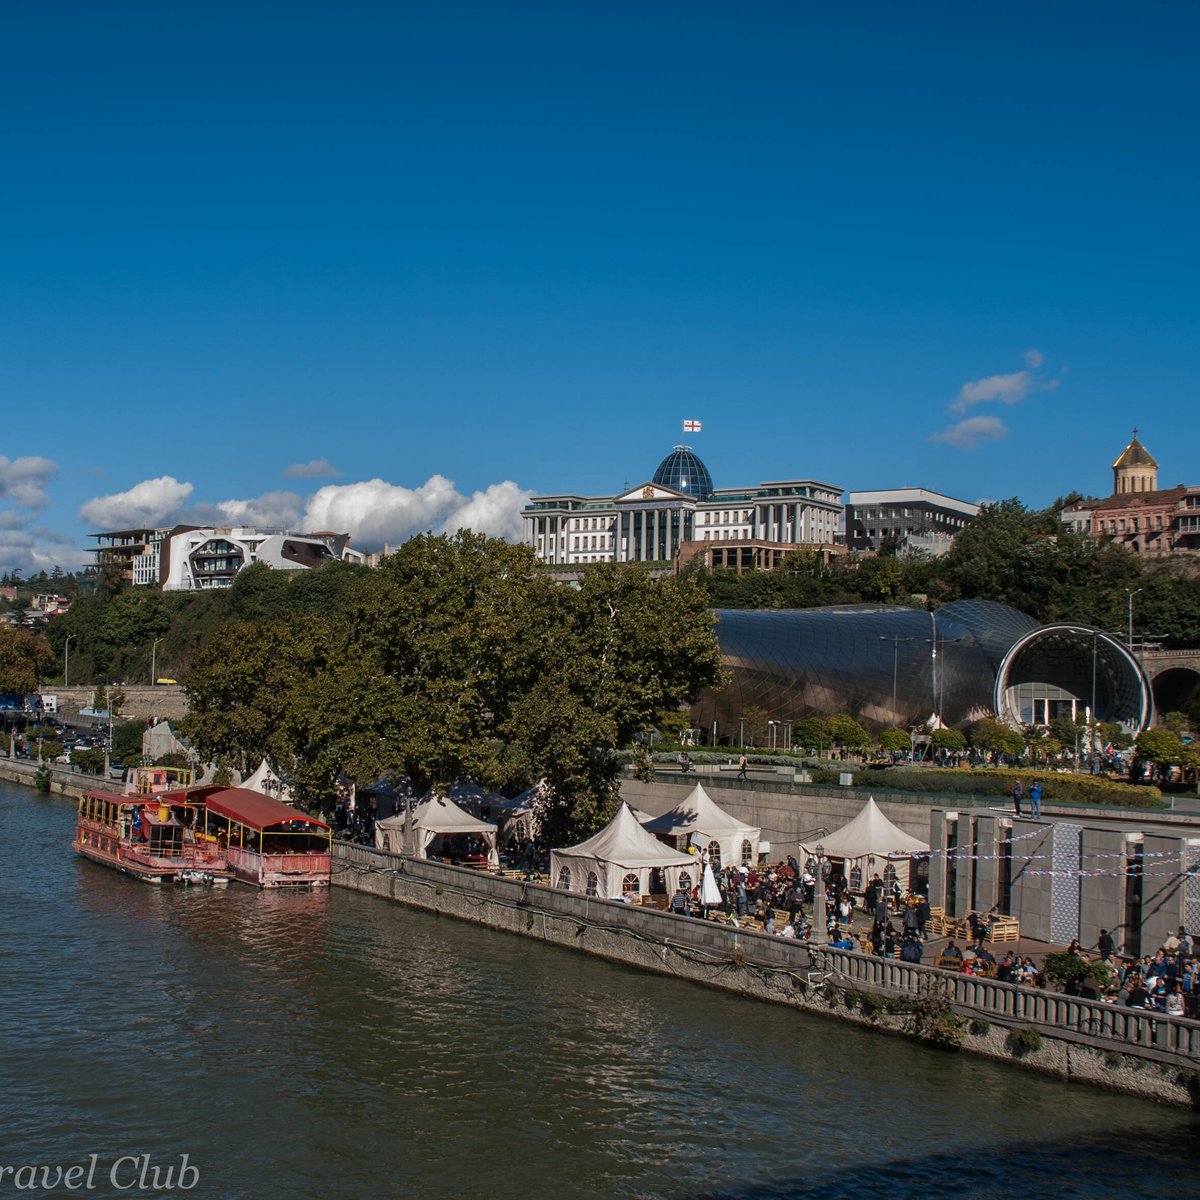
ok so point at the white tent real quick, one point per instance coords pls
(617, 863)
(267, 783)
(868, 837)
(700, 819)
(433, 820)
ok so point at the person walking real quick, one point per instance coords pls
(743, 763)
(1018, 792)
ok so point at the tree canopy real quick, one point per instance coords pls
(458, 658)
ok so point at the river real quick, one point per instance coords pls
(334, 1045)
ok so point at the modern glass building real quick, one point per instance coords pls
(904, 666)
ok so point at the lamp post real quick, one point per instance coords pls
(1092, 733)
(66, 661)
(1131, 592)
(154, 661)
(895, 640)
(820, 930)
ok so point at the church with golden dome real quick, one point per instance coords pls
(1140, 515)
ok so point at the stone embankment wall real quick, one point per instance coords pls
(1120, 1049)
(142, 702)
(64, 781)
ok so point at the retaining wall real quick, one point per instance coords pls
(1122, 1049)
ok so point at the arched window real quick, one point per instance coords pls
(747, 852)
(714, 855)
(856, 878)
(564, 879)
(593, 884)
(630, 885)
(685, 881)
(889, 875)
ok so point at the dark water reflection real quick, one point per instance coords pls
(336, 1046)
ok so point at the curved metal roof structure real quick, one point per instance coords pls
(891, 665)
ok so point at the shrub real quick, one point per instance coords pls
(1023, 1040)
(979, 1027)
(932, 1019)
(1071, 789)
(41, 779)
(870, 1005)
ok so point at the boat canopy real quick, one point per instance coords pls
(253, 809)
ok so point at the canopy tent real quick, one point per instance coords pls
(431, 825)
(702, 821)
(267, 783)
(471, 796)
(516, 817)
(619, 862)
(868, 837)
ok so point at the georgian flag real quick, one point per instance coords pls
(691, 427)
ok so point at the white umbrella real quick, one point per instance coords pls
(710, 894)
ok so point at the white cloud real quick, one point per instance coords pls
(23, 480)
(971, 433)
(273, 510)
(496, 511)
(41, 550)
(1033, 359)
(318, 468)
(1007, 389)
(11, 519)
(375, 512)
(146, 504)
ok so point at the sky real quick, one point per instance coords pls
(384, 268)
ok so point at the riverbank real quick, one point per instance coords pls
(1120, 1049)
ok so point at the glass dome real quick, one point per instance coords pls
(684, 472)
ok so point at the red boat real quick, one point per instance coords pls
(155, 837)
(265, 843)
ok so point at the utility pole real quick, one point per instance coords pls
(66, 661)
(895, 640)
(154, 662)
(1131, 592)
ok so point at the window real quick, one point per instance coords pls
(747, 852)
(593, 884)
(714, 855)
(889, 873)
(630, 885)
(685, 881)
(856, 878)
(564, 880)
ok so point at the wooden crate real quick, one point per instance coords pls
(1005, 929)
(936, 924)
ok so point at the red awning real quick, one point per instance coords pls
(253, 809)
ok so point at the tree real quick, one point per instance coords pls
(812, 733)
(948, 739)
(846, 733)
(24, 658)
(1159, 746)
(894, 739)
(616, 651)
(754, 721)
(990, 736)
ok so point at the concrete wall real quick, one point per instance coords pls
(1121, 1049)
(783, 810)
(141, 701)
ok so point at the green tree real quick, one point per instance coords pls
(990, 736)
(1159, 746)
(811, 734)
(894, 739)
(846, 733)
(24, 659)
(948, 739)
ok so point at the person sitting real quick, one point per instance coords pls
(952, 950)
(685, 762)
(911, 951)
(845, 942)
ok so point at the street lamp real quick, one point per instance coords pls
(820, 930)
(154, 662)
(895, 640)
(66, 663)
(1131, 592)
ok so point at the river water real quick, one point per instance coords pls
(334, 1045)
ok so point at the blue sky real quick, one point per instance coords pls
(384, 267)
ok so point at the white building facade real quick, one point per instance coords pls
(651, 522)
